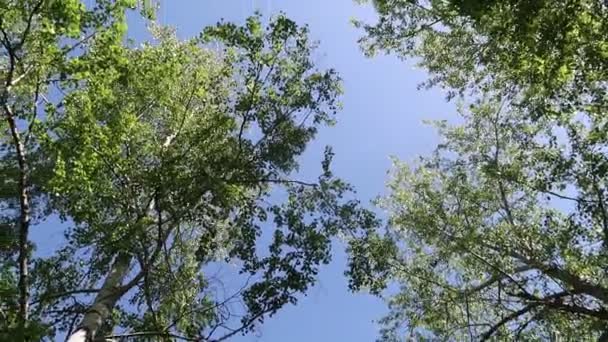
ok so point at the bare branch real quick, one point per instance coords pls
(602, 211)
(64, 294)
(278, 181)
(497, 277)
(485, 336)
(577, 284)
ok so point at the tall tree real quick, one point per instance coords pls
(37, 40)
(163, 160)
(502, 232)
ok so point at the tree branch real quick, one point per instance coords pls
(602, 211)
(65, 294)
(485, 336)
(497, 277)
(153, 333)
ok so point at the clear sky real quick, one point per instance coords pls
(382, 116)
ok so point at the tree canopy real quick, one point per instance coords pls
(162, 159)
(502, 231)
(551, 51)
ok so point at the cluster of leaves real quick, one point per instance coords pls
(38, 39)
(502, 232)
(163, 159)
(495, 236)
(546, 49)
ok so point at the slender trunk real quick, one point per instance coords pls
(24, 201)
(24, 196)
(25, 217)
(104, 302)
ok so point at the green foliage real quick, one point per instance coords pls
(552, 53)
(502, 232)
(38, 39)
(170, 158)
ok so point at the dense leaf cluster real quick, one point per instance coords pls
(162, 160)
(502, 232)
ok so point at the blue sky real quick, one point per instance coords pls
(382, 117)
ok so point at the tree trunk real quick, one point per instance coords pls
(24, 208)
(104, 302)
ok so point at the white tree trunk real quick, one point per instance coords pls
(104, 302)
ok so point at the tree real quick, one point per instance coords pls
(165, 159)
(551, 53)
(37, 40)
(502, 232)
